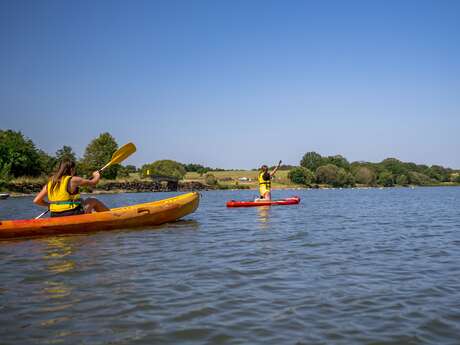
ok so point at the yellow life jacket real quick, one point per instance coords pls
(59, 197)
(264, 183)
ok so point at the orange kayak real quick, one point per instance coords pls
(148, 214)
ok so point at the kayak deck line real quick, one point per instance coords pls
(139, 215)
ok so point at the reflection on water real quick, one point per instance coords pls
(188, 224)
(263, 213)
(57, 290)
(58, 249)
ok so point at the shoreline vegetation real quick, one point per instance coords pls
(24, 169)
(226, 180)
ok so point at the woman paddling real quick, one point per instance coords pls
(63, 194)
(265, 182)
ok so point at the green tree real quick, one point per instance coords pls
(343, 179)
(327, 174)
(301, 175)
(394, 166)
(438, 173)
(65, 153)
(164, 167)
(311, 161)
(402, 180)
(282, 167)
(338, 161)
(98, 153)
(47, 163)
(198, 168)
(419, 179)
(18, 155)
(131, 169)
(125, 171)
(385, 179)
(5, 172)
(364, 175)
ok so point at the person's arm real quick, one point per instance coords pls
(276, 169)
(80, 181)
(40, 198)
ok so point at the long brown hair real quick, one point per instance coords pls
(65, 168)
(266, 175)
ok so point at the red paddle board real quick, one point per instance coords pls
(287, 201)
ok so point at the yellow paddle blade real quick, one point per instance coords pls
(121, 154)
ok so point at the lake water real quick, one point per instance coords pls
(343, 267)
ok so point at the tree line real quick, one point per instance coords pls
(20, 157)
(337, 171)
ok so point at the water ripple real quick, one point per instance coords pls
(343, 267)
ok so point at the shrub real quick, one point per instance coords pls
(364, 175)
(419, 179)
(301, 175)
(3, 185)
(385, 179)
(327, 174)
(394, 166)
(165, 167)
(123, 172)
(402, 180)
(438, 173)
(210, 179)
(338, 161)
(343, 179)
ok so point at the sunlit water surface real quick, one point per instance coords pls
(343, 267)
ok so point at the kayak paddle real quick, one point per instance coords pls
(119, 156)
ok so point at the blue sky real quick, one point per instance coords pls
(235, 84)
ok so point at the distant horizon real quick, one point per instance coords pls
(233, 83)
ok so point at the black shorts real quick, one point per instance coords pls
(78, 210)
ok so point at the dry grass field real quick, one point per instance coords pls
(238, 177)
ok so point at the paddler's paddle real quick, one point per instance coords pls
(119, 156)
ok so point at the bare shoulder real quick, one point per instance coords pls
(76, 180)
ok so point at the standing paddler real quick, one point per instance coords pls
(265, 182)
